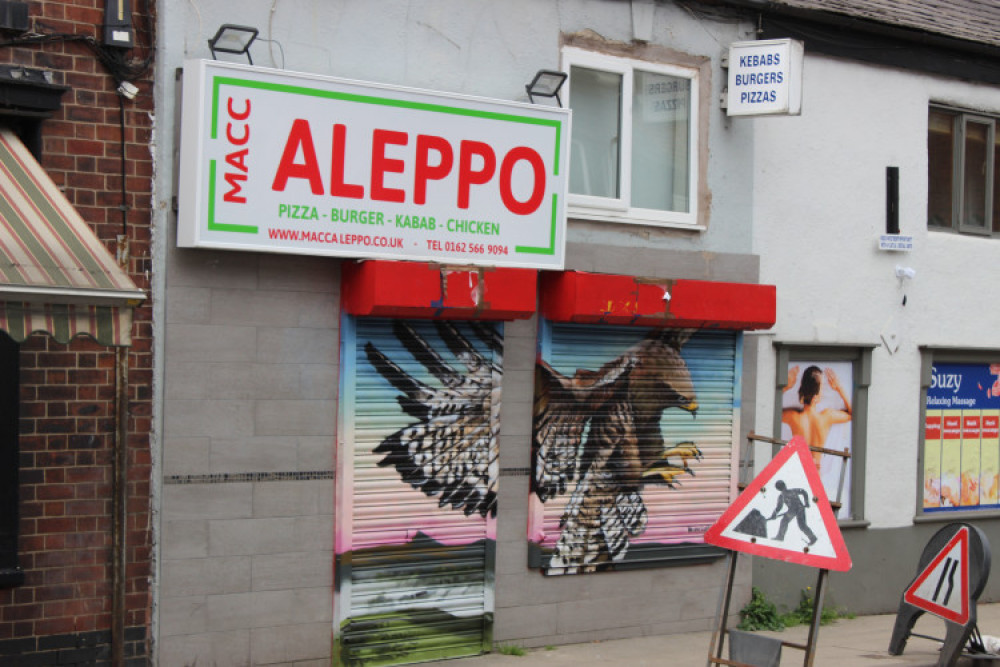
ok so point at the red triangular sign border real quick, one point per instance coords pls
(840, 562)
(962, 617)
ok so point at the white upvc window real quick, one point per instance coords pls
(634, 144)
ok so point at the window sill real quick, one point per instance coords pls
(620, 217)
(11, 576)
(958, 515)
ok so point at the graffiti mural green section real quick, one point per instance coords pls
(417, 484)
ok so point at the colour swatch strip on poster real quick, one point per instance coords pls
(962, 438)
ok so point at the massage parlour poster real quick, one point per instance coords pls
(816, 404)
(962, 438)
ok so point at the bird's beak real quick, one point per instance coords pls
(691, 407)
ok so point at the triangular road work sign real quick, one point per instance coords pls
(784, 514)
(943, 587)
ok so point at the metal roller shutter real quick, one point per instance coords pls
(417, 475)
(603, 517)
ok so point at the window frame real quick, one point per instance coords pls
(591, 207)
(860, 357)
(929, 356)
(960, 121)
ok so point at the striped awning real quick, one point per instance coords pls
(55, 275)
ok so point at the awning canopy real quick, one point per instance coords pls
(55, 275)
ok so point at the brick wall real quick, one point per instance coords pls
(62, 612)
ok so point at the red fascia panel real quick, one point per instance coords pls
(594, 298)
(703, 303)
(383, 288)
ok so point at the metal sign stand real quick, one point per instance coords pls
(962, 638)
(717, 646)
(719, 634)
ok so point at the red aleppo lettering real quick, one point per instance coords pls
(338, 188)
(299, 137)
(433, 158)
(467, 176)
(382, 164)
(538, 187)
(423, 170)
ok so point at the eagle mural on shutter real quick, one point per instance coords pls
(607, 440)
(417, 490)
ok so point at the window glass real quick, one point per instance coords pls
(963, 172)
(817, 405)
(940, 156)
(596, 145)
(825, 400)
(661, 154)
(996, 181)
(974, 174)
(961, 453)
(633, 155)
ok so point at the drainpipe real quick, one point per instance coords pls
(119, 484)
(119, 508)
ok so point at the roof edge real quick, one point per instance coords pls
(868, 26)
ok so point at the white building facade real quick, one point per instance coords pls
(901, 323)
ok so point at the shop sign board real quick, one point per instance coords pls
(286, 162)
(765, 77)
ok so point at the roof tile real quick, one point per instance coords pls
(968, 20)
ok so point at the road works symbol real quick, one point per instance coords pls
(789, 493)
(943, 587)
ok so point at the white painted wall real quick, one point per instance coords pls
(819, 206)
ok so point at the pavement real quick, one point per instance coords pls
(863, 640)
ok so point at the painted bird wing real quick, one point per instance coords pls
(563, 407)
(450, 451)
(598, 521)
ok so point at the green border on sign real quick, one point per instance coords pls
(219, 81)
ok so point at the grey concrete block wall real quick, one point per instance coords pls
(250, 388)
(250, 419)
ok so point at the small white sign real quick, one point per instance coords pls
(765, 77)
(896, 242)
(286, 162)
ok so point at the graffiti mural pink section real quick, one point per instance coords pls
(416, 490)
